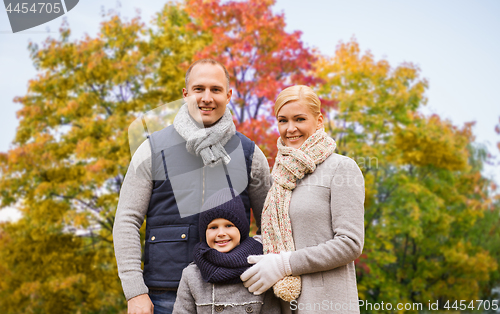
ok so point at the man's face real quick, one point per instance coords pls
(207, 83)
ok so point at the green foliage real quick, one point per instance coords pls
(425, 196)
(70, 155)
(55, 272)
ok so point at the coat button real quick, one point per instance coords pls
(219, 308)
(183, 236)
(153, 238)
(249, 309)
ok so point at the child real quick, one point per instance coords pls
(212, 283)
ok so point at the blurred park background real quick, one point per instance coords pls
(432, 209)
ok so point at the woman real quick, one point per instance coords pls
(312, 223)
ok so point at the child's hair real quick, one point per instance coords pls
(224, 204)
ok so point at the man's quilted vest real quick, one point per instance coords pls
(172, 228)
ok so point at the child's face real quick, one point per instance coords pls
(222, 235)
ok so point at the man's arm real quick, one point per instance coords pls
(260, 183)
(133, 204)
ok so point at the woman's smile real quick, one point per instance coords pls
(294, 138)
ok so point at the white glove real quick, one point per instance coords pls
(258, 238)
(268, 270)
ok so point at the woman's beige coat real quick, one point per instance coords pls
(327, 216)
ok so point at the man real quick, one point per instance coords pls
(149, 188)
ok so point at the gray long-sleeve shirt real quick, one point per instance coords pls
(133, 205)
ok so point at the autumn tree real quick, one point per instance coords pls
(425, 195)
(261, 57)
(71, 149)
(71, 152)
(487, 231)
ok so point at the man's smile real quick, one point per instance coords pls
(206, 109)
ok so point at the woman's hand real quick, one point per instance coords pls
(268, 269)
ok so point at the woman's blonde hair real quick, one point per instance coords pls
(298, 92)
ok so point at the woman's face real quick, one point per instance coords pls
(296, 123)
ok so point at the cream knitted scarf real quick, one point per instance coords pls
(291, 165)
(206, 142)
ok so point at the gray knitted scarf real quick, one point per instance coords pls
(206, 142)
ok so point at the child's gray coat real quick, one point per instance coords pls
(197, 296)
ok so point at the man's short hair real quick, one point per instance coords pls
(210, 61)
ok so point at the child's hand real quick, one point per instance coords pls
(268, 269)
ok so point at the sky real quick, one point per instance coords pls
(455, 43)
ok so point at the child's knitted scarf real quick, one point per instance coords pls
(291, 165)
(217, 267)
